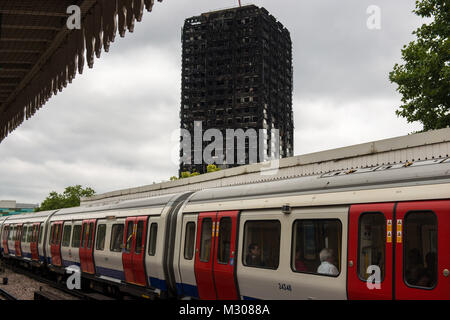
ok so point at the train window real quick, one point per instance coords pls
(129, 236)
(420, 248)
(317, 246)
(41, 232)
(262, 244)
(11, 233)
(24, 234)
(189, 241)
(152, 240)
(90, 234)
(223, 250)
(205, 241)
(18, 233)
(29, 233)
(139, 236)
(58, 233)
(101, 236)
(66, 236)
(52, 234)
(76, 236)
(371, 243)
(116, 238)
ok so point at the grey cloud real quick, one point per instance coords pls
(112, 127)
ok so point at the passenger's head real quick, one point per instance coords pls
(326, 255)
(253, 249)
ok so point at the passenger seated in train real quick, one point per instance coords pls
(427, 276)
(253, 257)
(327, 260)
(299, 265)
(414, 267)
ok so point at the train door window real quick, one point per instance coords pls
(41, 232)
(139, 235)
(66, 235)
(76, 236)
(90, 234)
(262, 244)
(30, 233)
(371, 243)
(116, 238)
(52, 234)
(152, 240)
(101, 236)
(317, 246)
(420, 248)
(10, 235)
(189, 241)
(205, 240)
(223, 250)
(33, 233)
(129, 236)
(24, 234)
(58, 234)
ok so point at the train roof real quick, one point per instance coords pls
(29, 217)
(157, 203)
(422, 173)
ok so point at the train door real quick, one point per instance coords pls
(225, 255)
(134, 250)
(215, 255)
(74, 251)
(41, 247)
(18, 237)
(5, 239)
(55, 243)
(370, 251)
(34, 242)
(86, 250)
(421, 250)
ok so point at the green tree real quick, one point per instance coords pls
(212, 168)
(69, 198)
(424, 79)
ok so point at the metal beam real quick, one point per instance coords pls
(25, 39)
(21, 27)
(34, 13)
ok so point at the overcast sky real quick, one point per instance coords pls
(116, 126)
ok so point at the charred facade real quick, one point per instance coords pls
(237, 74)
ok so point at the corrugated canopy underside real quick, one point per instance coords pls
(39, 55)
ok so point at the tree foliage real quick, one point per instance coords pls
(424, 79)
(69, 198)
(187, 174)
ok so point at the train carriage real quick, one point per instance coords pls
(23, 237)
(373, 233)
(393, 220)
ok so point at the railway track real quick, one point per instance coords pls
(58, 286)
(7, 296)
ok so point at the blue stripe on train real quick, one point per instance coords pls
(116, 274)
(187, 290)
(158, 283)
(249, 298)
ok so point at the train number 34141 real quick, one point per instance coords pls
(284, 287)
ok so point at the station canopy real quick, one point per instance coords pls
(40, 55)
